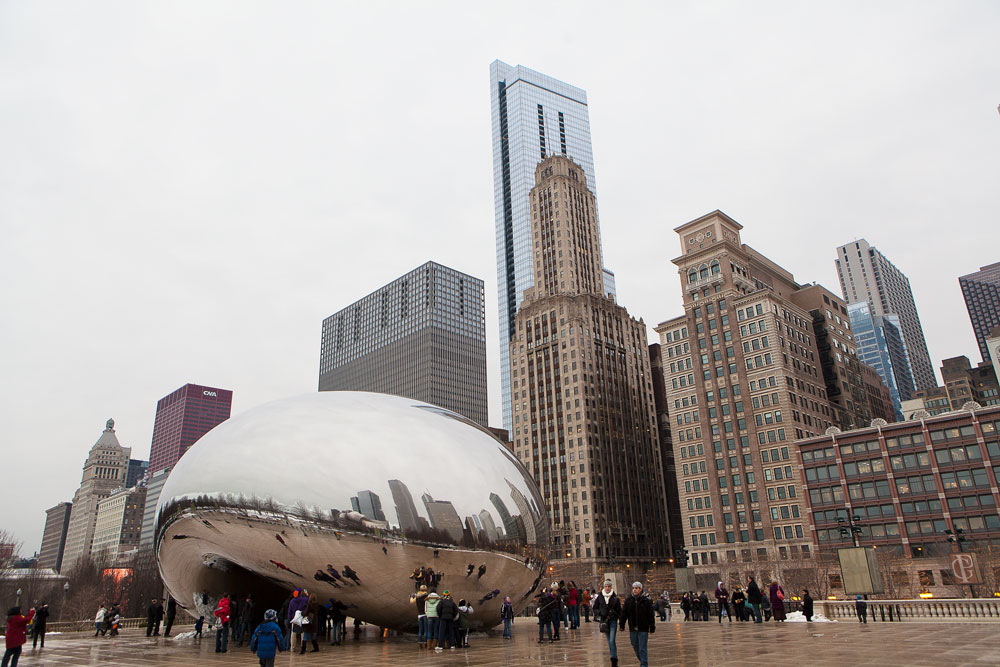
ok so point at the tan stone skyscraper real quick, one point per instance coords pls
(104, 472)
(584, 421)
(744, 380)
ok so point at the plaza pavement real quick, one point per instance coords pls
(674, 643)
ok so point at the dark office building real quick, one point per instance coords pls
(54, 536)
(184, 416)
(982, 299)
(422, 336)
(136, 472)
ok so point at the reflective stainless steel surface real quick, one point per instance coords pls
(354, 496)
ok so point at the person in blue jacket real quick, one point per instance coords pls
(267, 639)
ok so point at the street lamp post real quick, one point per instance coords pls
(850, 527)
(62, 609)
(958, 537)
(18, 603)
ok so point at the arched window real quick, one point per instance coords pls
(692, 276)
(716, 269)
(703, 270)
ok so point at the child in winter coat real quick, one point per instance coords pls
(267, 639)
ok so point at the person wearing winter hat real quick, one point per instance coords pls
(447, 613)
(420, 599)
(607, 611)
(638, 612)
(267, 639)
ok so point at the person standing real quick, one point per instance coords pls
(296, 610)
(638, 612)
(547, 602)
(754, 598)
(585, 599)
(222, 624)
(507, 616)
(38, 627)
(703, 605)
(154, 614)
(420, 600)
(267, 641)
(776, 597)
(17, 629)
(433, 620)
(739, 604)
(686, 606)
(338, 618)
(807, 606)
(607, 612)
(246, 622)
(171, 615)
(722, 598)
(447, 611)
(861, 609)
(465, 610)
(573, 606)
(664, 603)
(99, 620)
(310, 624)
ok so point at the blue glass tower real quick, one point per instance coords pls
(534, 116)
(880, 345)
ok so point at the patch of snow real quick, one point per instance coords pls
(184, 635)
(797, 617)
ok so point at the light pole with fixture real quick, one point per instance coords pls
(958, 537)
(62, 609)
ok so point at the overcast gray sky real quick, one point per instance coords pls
(188, 188)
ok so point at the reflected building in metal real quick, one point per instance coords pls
(270, 501)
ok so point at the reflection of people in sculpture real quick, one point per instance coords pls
(489, 596)
(323, 576)
(351, 574)
(333, 573)
(482, 571)
(282, 566)
(470, 570)
(278, 537)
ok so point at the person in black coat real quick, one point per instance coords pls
(607, 612)
(638, 612)
(171, 615)
(447, 612)
(154, 614)
(807, 605)
(754, 598)
(38, 625)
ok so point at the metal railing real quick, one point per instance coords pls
(975, 610)
(88, 626)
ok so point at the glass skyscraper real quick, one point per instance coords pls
(534, 116)
(881, 346)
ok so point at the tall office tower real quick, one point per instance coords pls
(118, 524)
(153, 487)
(182, 417)
(104, 472)
(406, 509)
(744, 380)
(982, 299)
(422, 336)
(443, 517)
(50, 555)
(534, 116)
(368, 503)
(675, 529)
(867, 275)
(881, 346)
(845, 385)
(137, 470)
(582, 390)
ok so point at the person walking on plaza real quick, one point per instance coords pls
(267, 641)
(154, 614)
(664, 603)
(777, 599)
(807, 605)
(17, 629)
(507, 616)
(222, 624)
(739, 604)
(607, 612)
(573, 606)
(722, 598)
(686, 606)
(171, 615)
(585, 604)
(638, 612)
(754, 598)
(38, 626)
(861, 609)
(99, 620)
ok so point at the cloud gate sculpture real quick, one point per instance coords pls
(356, 496)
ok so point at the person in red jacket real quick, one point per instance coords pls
(222, 631)
(17, 627)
